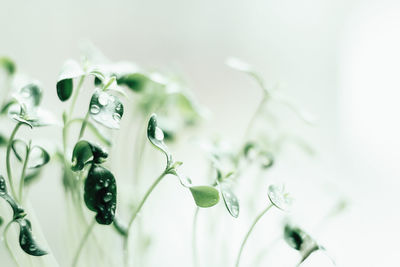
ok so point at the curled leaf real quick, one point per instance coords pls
(101, 194)
(106, 109)
(279, 197)
(27, 241)
(120, 227)
(83, 151)
(70, 70)
(156, 137)
(204, 196)
(230, 199)
(19, 147)
(38, 157)
(18, 212)
(301, 241)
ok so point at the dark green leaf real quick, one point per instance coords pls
(134, 81)
(101, 193)
(1, 221)
(3, 140)
(106, 109)
(205, 196)
(70, 70)
(8, 65)
(230, 199)
(83, 151)
(156, 137)
(27, 241)
(301, 241)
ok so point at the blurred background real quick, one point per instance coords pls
(337, 59)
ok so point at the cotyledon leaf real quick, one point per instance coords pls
(101, 194)
(230, 199)
(204, 196)
(279, 197)
(106, 109)
(83, 151)
(26, 239)
(156, 137)
(70, 70)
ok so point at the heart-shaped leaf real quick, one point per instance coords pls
(230, 199)
(106, 109)
(70, 70)
(8, 65)
(156, 137)
(19, 148)
(101, 194)
(279, 197)
(205, 196)
(83, 151)
(27, 241)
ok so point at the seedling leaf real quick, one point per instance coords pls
(85, 150)
(279, 198)
(27, 241)
(106, 109)
(101, 194)
(156, 137)
(70, 70)
(205, 196)
(230, 199)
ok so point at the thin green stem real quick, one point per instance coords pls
(84, 124)
(254, 117)
(8, 160)
(75, 97)
(83, 242)
(22, 179)
(249, 232)
(6, 242)
(194, 238)
(138, 209)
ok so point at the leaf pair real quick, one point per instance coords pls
(100, 190)
(204, 196)
(25, 107)
(26, 238)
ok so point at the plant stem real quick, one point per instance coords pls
(194, 238)
(254, 117)
(6, 242)
(83, 242)
(83, 127)
(8, 164)
(75, 97)
(249, 232)
(134, 215)
(22, 179)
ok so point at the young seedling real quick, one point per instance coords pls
(278, 198)
(204, 196)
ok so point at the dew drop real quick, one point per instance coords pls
(94, 109)
(103, 99)
(117, 117)
(159, 134)
(107, 197)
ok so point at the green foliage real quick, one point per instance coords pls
(205, 196)
(26, 239)
(83, 151)
(8, 65)
(106, 109)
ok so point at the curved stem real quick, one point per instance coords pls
(194, 238)
(138, 209)
(22, 180)
(249, 232)
(8, 163)
(83, 242)
(6, 242)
